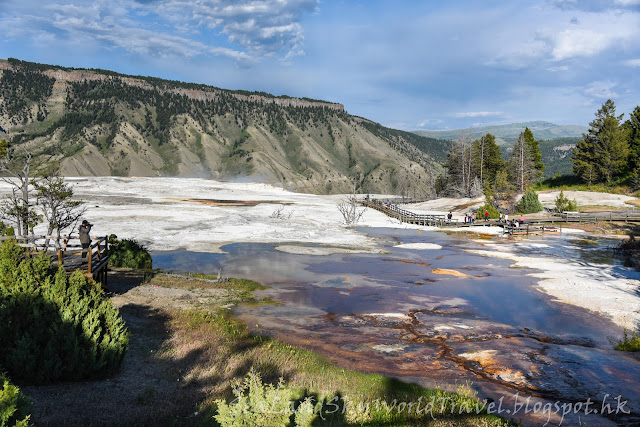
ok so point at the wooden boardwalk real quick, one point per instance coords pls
(533, 225)
(68, 253)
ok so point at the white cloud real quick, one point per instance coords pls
(478, 114)
(553, 35)
(601, 90)
(557, 69)
(242, 30)
(428, 122)
(632, 62)
(262, 27)
(579, 42)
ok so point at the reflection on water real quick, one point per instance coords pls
(392, 313)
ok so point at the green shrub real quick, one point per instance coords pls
(563, 204)
(256, 404)
(128, 253)
(493, 212)
(629, 344)
(305, 413)
(530, 203)
(13, 405)
(54, 326)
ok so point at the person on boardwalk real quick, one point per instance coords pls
(449, 216)
(521, 218)
(85, 238)
(486, 215)
(473, 217)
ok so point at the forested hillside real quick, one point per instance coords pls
(97, 122)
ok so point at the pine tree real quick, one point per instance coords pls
(536, 155)
(487, 159)
(633, 127)
(603, 151)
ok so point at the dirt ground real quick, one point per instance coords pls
(148, 389)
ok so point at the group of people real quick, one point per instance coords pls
(469, 218)
(514, 223)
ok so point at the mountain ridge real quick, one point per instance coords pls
(508, 133)
(99, 122)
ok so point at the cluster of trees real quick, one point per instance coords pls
(476, 167)
(18, 89)
(53, 197)
(611, 148)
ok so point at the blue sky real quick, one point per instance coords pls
(406, 64)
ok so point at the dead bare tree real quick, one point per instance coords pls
(16, 207)
(54, 197)
(279, 213)
(348, 207)
(460, 172)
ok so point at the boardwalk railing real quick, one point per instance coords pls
(600, 216)
(409, 217)
(68, 253)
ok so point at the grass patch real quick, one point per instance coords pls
(224, 355)
(573, 183)
(339, 396)
(629, 343)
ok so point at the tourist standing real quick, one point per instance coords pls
(486, 215)
(85, 238)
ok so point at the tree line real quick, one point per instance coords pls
(608, 153)
(476, 167)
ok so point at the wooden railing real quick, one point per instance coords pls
(66, 252)
(600, 216)
(404, 215)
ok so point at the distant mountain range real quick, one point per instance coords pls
(99, 122)
(507, 134)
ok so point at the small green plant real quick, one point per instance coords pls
(563, 204)
(128, 253)
(629, 343)
(530, 203)
(256, 404)
(305, 413)
(13, 405)
(493, 212)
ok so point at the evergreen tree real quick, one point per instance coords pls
(487, 159)
(530, 203)
(534, 148)
(604, 150)
(633, 128)
(503, 189)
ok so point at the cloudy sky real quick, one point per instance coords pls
(407, 64)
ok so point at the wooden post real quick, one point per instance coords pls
(60, 263)
(89, 260)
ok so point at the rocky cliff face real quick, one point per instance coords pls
(96, 122)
